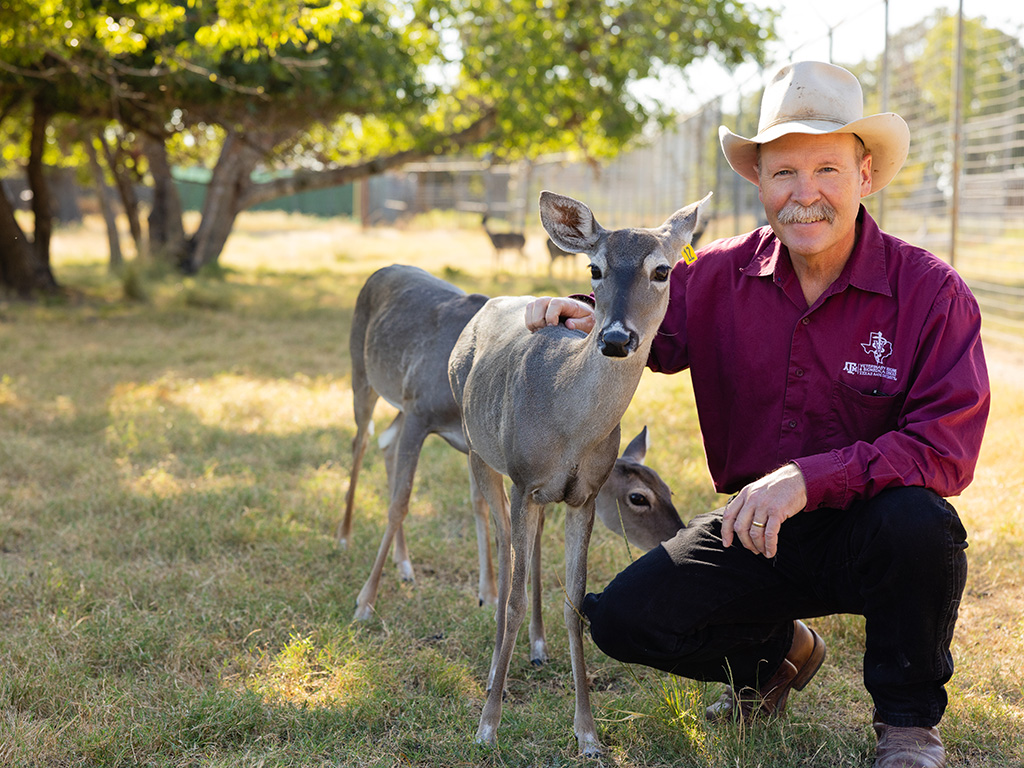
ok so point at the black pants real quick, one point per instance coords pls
(696, 609)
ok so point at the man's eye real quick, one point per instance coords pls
(661, 273)
(595, 272)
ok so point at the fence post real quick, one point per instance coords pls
(885, 102)
(958, 123)
(736, 181)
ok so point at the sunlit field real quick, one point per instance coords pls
(174, 457)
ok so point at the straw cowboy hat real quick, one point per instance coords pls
(815, 97)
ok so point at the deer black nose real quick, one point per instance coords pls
(616, 342)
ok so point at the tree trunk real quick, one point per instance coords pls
(232, 178)
(42, 205)
(166, 227)
(16, 272)
(125, 177)
(106, 201)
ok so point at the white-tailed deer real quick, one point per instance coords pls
(505, 241)
(544, 409)
(404, 327)
(405, 323)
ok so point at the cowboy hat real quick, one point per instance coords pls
(815, 97)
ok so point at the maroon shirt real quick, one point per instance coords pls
(882, 383)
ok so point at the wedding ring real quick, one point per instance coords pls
(757, 524)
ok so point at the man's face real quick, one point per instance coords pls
(811, 186)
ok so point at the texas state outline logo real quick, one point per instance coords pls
(879, 348)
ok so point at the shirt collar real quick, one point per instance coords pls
(865, 270)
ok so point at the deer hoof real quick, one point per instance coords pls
(405, 571)
(589, 746)
(539, 653)
(487, 735)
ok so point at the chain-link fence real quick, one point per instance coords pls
(958, 81)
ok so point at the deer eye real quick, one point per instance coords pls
(595, 272)
(661, 273)
(638, 500)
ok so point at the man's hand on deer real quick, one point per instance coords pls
(548, 311)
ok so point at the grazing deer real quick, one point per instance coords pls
(405, 325)
(557, 253)
(505, 241)
(544, 409)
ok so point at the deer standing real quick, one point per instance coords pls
(404, 327)
(505, 241)
(557, 253)
(544, 409)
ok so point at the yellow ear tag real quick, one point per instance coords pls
(689, 255)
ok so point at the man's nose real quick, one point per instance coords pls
(807, 191)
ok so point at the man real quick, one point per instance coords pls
(842, 393)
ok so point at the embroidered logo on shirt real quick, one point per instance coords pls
(879, 348)
(878, 345)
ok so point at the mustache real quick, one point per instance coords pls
(794, 213)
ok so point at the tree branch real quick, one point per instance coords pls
(305, 181)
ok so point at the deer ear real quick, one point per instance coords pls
(570, 223)
(637, 448)
(678, 228)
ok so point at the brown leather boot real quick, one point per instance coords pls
(908, 747)
(801, 663)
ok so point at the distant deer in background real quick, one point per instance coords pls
(544, 409)
(505, 241)
(557, 253)
(405, 325)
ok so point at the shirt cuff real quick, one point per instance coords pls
(825, 478)
(583, 298)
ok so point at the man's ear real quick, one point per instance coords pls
(866, 176)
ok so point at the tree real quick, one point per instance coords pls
(340, 91)
(54, 63)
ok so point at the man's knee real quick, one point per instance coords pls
(630, 610)
(913, 524)
(607, 626)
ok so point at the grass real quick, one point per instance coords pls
(173, 458)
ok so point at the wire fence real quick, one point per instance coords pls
(958, 81)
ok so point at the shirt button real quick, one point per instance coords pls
(806, 321)
(792, 424)
(799, 372)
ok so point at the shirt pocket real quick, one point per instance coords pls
(856, 415)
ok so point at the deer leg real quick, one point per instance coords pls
(364, 398)
(410, 441)
(538, 645)
(389, 442)
(487, 591)
(492, 486)
(579, 522)
(525, 516)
